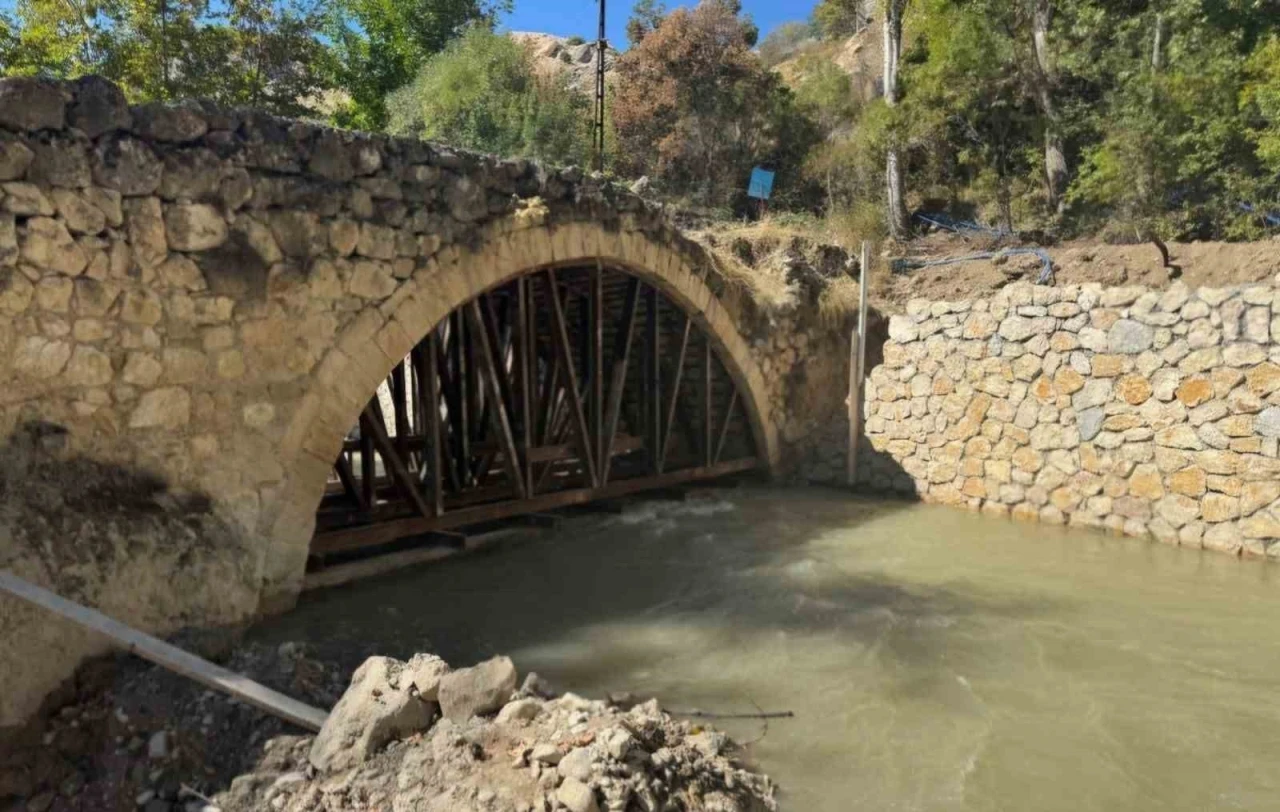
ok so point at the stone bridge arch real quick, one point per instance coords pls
(194, 304)
(365, 353)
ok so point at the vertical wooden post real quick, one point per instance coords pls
(433, 430)
(368, 465)
(596, 399)
(706, 402)
(858, 368)
(525, 361)
(653, 373)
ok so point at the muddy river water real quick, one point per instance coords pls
(934, 660)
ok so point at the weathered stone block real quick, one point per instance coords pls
(1129, 337)
(175, 123)
(1194, 391)
(169, 407)
(194, 227)
(28, 103)
(15, 157)
(88, 367)
(48, 245)
(126, 165)
(479, 690)
(41, 358)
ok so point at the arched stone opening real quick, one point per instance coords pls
(376, 343)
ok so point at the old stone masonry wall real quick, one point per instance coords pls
(196, 303)
(1146, 413)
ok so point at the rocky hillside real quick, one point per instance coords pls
(554, 55)
(861, 56)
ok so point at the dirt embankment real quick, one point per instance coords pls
(782, 264)
(1210, 264)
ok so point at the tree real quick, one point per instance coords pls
(49, 38)
(1174, 154)
(646, 16)
(1263, 93)
(265, 53)
(696, 109)
(899, 222)
(482, 92)
(838, 19)
(8, 39)
(380, 45)
(1044, 81)
(285, 67)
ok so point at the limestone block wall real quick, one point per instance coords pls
(199, 301)
(804, 361)
(1143, 412)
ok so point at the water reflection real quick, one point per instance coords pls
(935, 660)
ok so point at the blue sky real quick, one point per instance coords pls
(569, 17)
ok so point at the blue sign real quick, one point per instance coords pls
(761, 184)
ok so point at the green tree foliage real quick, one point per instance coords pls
(1157, 117)
(8, 39)
(380, 45)
(841, 18)
(1263, 94)
(696, 108)
(646, 16)
(259, 52)
(482, 92)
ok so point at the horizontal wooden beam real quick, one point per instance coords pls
(355, 538)
(167, 656)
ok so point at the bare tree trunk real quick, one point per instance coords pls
(899, 223)
(1055, 160)
(1157, 49)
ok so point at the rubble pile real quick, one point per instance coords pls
(417, 736)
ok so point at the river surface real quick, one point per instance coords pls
(935, 660)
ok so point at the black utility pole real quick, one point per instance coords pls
(602, 44)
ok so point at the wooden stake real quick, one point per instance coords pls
(167, 656)
(858, 368)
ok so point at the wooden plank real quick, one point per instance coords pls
(724, 426)
(653, 396)
(618, 380)
(368, 464)
(623, 444)
(498, 414)
(596, 307)
(347, 477)
(706, 402)
(168, 656)
(394, 464)
(394, 562)
(496, 331)
(549, 401)
(675, 395)
(354, 538)
(435, 436)
(524, 368)
(560, 337)
(459, 414)
(400, 407)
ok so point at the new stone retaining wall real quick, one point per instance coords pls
(1138, 411)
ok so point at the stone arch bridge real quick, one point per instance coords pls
(197, 306)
